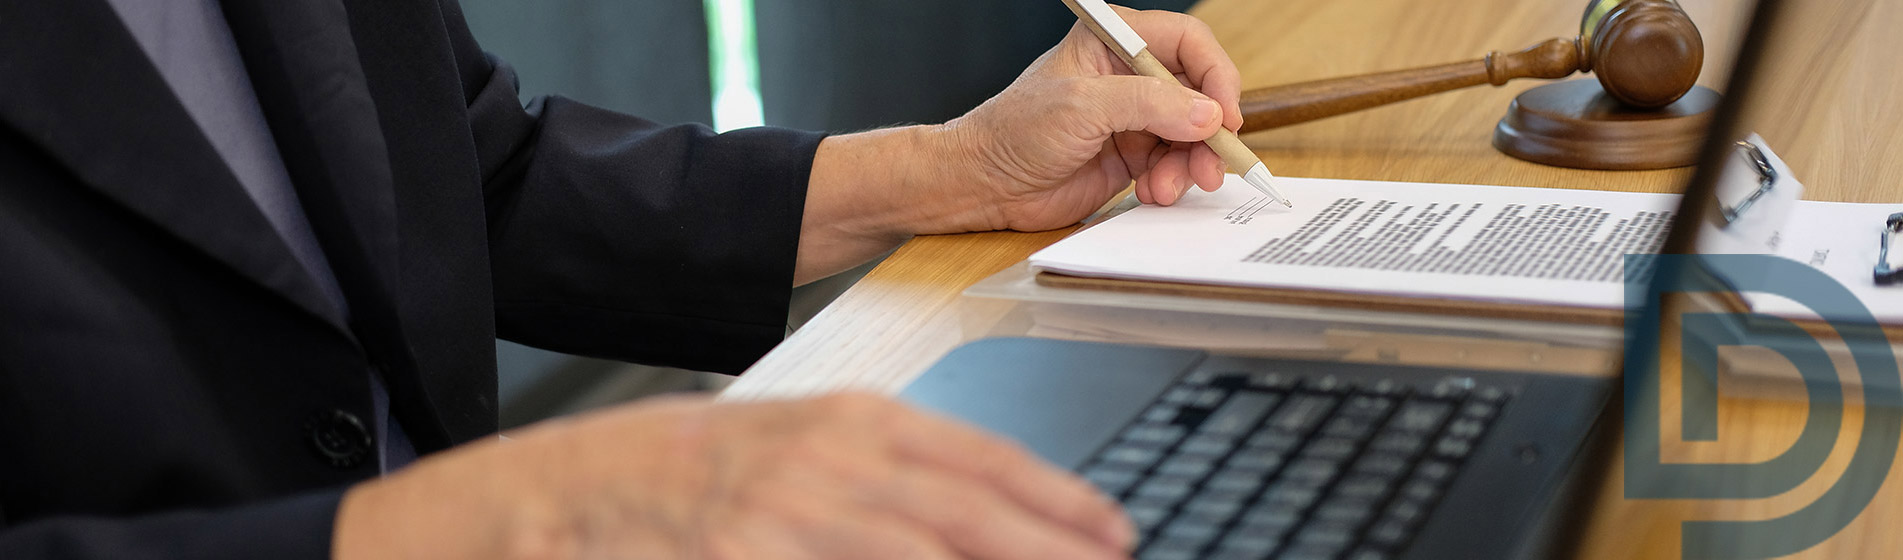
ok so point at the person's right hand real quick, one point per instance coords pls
(839, 477)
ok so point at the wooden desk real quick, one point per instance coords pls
(908, 312)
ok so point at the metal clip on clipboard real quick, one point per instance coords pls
(1886, 273)
(1767, 178)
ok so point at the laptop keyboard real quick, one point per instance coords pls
(1274, 465)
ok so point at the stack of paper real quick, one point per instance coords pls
(1510, 244)
(1546, 246)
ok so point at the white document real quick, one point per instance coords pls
(1840, 239)
(1513, 244)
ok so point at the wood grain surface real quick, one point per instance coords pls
(1831, 112)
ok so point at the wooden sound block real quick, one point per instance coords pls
(1576, 124)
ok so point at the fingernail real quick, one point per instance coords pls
(1203, 111)
(1182, 186)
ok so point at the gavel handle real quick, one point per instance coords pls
(1284, 105)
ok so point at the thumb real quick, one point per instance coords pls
(1161, 107)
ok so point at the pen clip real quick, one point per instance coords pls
(1767, 178)
(1887, 274)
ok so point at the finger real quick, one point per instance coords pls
(852, 532)
(1016, 473)
(1186, 46)
(1137, 151)
(1140, 152)
(1206, 167)
(1154, 105)
(1172, 170)
(978, 522)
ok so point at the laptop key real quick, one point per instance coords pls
(1268, 521)
(1326, 384)
(1257, 460)
(1273, 381)
(1453, 388)
(1351, 512)
(1237, 481)
(1479, 410)
(1134, 457)
(1170, 549)
(1423, 417)
(1302, 413)
(1330, 449)
(1275, 440)
(1455, 448)
(1161, 413)
(1420, 491)
(1386, 388)
(1330, 534)
(1208, 445)
(1385, 465)
(1240, 544)
(1146, 517)
(1208, 398)
(1187, 466)
(1355, 428)
(1364, 487)
(1435, 471)
(1406, 512)
(1112, 479)
(1198, 377)
(1155, 434)
(1165, 489)
(1367, 406)
(1467, 428)
(1387, 534)
(1219, 509)
(1240, 414)
(1311, 551)
(1404, 444)
(1313, 473)
(1191, 530)
(1290, 497)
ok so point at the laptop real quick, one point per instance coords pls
(1221, 456)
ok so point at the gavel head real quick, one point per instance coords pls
(1646, 53)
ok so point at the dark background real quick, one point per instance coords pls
(838, 65)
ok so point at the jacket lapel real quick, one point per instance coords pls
(81, 87)
(305, 66)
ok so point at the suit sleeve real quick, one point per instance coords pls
(288, 529)
(616, 237)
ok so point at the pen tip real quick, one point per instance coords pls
(1285, 202)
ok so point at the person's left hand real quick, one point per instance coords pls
(1077, 126)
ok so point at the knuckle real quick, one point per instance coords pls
(1198, 25)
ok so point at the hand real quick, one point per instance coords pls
(849, 476)
(1076, 127)
(1072, 131)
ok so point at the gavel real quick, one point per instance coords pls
(1646, 55)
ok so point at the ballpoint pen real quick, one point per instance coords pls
(1117, 34)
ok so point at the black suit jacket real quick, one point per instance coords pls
(173, 384)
